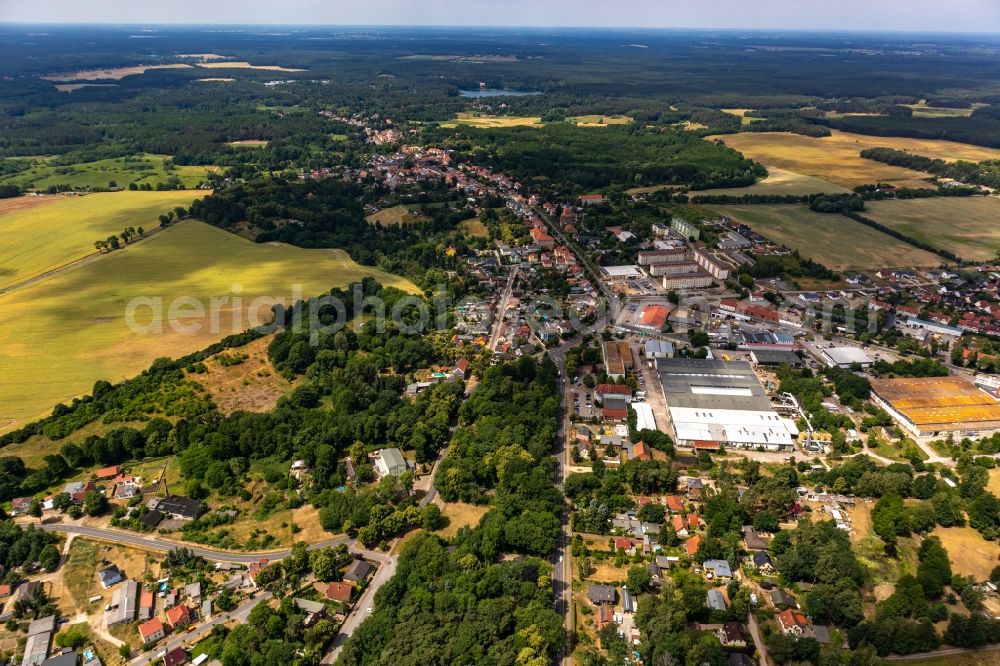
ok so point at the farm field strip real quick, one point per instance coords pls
(779, 182)
(966, 226)
(44, 237)
(836, 158)
(836, 241)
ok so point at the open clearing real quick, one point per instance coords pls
(966, 226)
(976, 658)
(779, 182)
(969, 552)
(994, 485)
(836, 157)
(250, 385)
(391, 217)
(70, 87)
(67, 331)
(217, 79)
(599, 121)
(487, 121)
(43, 238)
(474, 227)
(922, 110)
(113, 74)
(41, 172)
(459, 514)
(836, 241)
(242, 64)
(248, 143)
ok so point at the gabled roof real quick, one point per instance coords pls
(691, 545)
(715, 600)
(339, 591)
(601, 594)
(147, 629)
(718, 568)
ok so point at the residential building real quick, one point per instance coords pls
(179, 616)
(792, 622)
(712, 265)
(601, 594)
(685, 228)
(358, 572)
(716, 600)
(109, 576)
(780, 599)
(339, 592)
(691, 545)
(152, 631)
(390, 462)
(719, 569)
(732, 634)
(179, 508)
(176, 657)
(65, 659)
(687, 281)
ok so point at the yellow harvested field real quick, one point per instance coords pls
(248, 143)
(391, 217)
(487, 121)
(994, 485)
(242, 64)
(836, 241)
(459, 514)
(474, 227)
(41, 238)
(24, 202)
(966, 226)
(113, 73)
(836, 158)
(606, 572)
(969, 552)
(63, 333)
(779, 182)
(217, 79)
(742, 113)
(922, 110)
(599, 121)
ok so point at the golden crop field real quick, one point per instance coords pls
(391, 217)
(65, 332)
(232, 64)
(41, 238)
(779, 182)
(836, 157)
(966, 226)
(113, 73)
(483, 120)
(836, 241)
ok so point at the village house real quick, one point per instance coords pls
(601, 594)
(732, 634)
(792, 622)
(152, 631)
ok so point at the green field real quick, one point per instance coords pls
(779, 182)
(64, 229)
(146, 168)
(391, 217)
(69, 330)
(966, 226)
(836, 241)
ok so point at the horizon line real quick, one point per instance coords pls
(419, 26)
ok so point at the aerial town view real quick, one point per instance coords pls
(495, 333)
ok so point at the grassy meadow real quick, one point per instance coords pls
(67, 331)
(140, 169)
(836, 241)
(474, 227)
(966, 226)
(48, 235)
(391, 217)
(483, 120)
(836, 158)
(599, 121)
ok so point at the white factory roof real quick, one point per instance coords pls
(732, 425)
(644, 414)
(622, 271)
(846, 356)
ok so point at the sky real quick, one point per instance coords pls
(876, 15)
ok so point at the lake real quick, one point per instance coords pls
(493, 92)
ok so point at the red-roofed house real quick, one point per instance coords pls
(680, 525)
(106, 473)
(339, 592)
(641, 451)
(542, 239)
(176, 657)
(591, 199)
(792, 622)
(621, 543)
(674, 503)
(151, 631)
(461, 369)
(692, 521)
(691, 545)
(178, 616)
